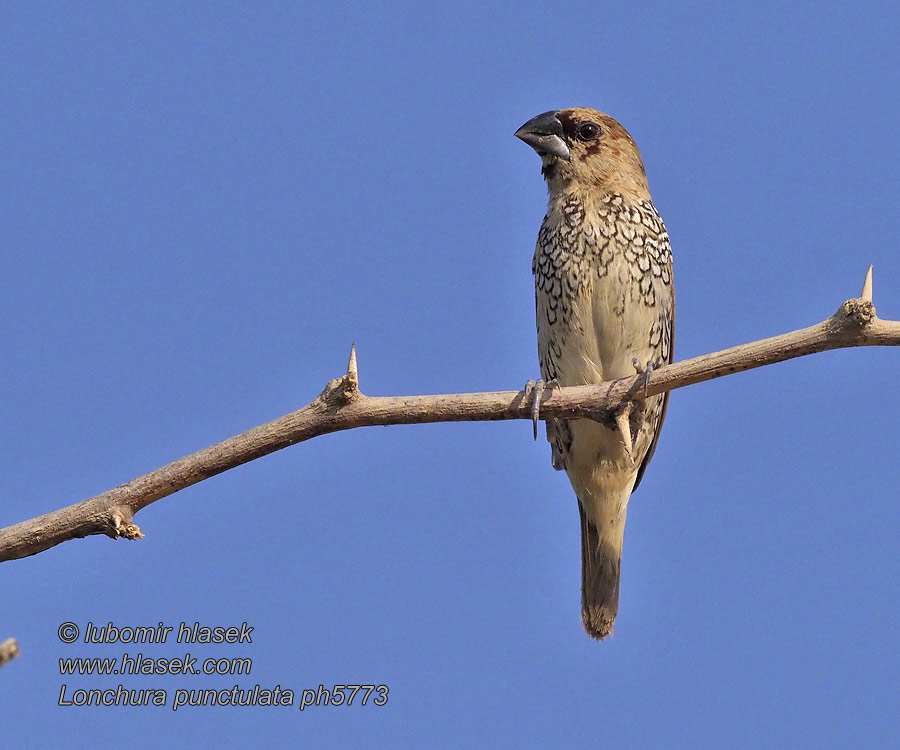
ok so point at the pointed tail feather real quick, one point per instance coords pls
(601, 562)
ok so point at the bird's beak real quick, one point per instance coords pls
(544, 134)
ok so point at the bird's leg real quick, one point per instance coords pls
(645, 371)
(535, 391)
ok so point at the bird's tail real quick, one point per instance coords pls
(601, 562)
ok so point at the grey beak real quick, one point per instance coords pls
(544, 134)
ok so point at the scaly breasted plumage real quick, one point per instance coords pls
(603, 284)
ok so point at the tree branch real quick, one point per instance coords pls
(9, 650)
(341, 406)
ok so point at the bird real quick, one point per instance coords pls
(605, 309)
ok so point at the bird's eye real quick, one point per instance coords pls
(588, 131)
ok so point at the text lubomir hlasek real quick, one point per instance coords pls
(187, 633)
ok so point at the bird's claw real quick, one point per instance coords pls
(535, 391)
(643, 370)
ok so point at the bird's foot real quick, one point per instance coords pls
(535, 391)
(643, 370)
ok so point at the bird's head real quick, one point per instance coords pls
(586, 147)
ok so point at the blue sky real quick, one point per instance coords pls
(201, 207)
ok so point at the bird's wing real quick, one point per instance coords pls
(665, 405)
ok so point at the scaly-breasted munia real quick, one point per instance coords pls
(605, 304)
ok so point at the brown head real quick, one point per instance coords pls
(588, 148)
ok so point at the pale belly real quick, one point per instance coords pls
(598, 339)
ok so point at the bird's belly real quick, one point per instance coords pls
(608, 330)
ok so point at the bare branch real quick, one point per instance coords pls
(9, 650)
(342, 406)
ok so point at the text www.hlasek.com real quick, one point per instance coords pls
(140, 664)
(187, 665)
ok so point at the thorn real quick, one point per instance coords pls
(866, 295)
(352, 372)
(624, 425)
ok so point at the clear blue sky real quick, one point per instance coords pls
(201, 207)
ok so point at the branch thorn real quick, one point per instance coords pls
(352, 378)
(623, 417)
(866, 295)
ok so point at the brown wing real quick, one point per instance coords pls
(662, 415)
